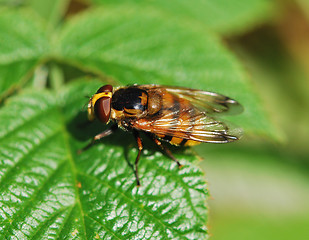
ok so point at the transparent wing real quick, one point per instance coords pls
(208, 102)
(190, 124)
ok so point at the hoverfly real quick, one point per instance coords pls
(180, 116)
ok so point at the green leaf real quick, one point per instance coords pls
(49, 191)
(12, 3)
(51, 10)
(23, 43)
(223, 16)
(146, 47)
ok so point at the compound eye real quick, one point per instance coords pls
(102, 108)
(105, 88)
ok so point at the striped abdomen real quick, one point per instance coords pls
(174, 121)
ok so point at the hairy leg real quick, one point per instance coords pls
(140, 148)
(99, 136)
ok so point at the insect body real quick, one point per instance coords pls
(181, 116)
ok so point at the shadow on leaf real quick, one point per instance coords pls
(83, 130)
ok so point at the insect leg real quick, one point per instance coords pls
(166, 150)
(140, 148)
(99, 136)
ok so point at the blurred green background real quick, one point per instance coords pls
(259, 186)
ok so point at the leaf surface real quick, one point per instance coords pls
(51, 10)
(23, 42)
(223, 16)
(49, 191)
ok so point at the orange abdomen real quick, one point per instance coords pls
(176, 114)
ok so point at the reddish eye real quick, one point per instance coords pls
(105, 88)
(102, 109)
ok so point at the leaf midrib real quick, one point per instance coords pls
(73, 167)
